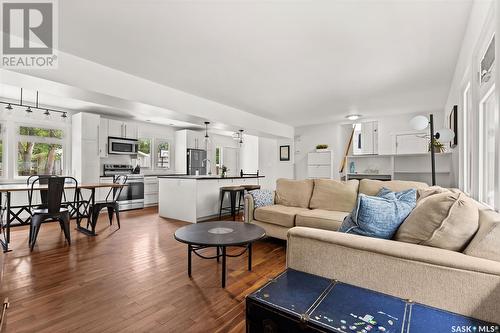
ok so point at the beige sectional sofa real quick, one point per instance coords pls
(318, 203)
(466, 282)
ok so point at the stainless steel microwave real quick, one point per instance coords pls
(122, 146)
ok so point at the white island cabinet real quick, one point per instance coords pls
(194, 198)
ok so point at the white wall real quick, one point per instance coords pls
(482, 11)
(249, 154)
(269, 164)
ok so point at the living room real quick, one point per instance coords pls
(249, 166)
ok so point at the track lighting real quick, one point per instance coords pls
(29, 109)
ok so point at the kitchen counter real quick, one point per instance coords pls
(207, 177)
(195, 198)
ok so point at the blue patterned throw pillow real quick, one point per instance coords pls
(381, 215)
(262, 198)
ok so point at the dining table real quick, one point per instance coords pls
(79, 209)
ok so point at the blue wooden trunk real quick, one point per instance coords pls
(301, 302)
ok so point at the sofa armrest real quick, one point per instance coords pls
(441, 278)
(249, 206)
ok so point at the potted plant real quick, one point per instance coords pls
(437, 146)
(224, 170)
(321, 147)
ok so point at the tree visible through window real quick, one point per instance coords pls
(40, 151)
(163, 155)
(144, 153)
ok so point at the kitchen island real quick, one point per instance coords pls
(195, 198)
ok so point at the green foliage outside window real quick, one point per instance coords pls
(38, 157)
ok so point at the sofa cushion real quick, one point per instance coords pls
(432, 190)
(372, 187)
(380, 216)
(447, 220)
(320, 219)
(294, 193)
(278, 214)
(262, 198)
(485, 243)
(329, 194)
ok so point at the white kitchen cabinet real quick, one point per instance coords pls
(85, 155)
(365, 140)
(122, 129)
(115, 128)
(103, 137)
(186, 139)
(150, 191)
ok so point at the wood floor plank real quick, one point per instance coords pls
(128, 280)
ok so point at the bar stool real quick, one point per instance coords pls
(251, 187)
(233, 192)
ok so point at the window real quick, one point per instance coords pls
(39, 151)
(467, 142)
(144, 153)
(163, 154)
(488, 121)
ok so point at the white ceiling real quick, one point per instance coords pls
(298, 62)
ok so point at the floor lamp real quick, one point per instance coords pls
(420, 123)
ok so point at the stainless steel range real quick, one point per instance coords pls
(132, 195)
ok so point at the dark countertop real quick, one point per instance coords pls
(207, 177)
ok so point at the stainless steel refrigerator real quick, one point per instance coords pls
(196, 161)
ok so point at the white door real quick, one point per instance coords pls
(231, 160)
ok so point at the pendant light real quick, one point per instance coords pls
(47, 114)
(206, 138)
(241, 137)
(28, 112)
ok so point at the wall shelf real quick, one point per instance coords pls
(416, 167)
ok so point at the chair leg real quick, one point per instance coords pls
(117, 212)
(65, 220)
(221, 202)
(95, 216)
(110, 215)
(233, 204)
(35, 227)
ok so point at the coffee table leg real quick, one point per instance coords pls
(223, 267)
(218, 252)
(189, 260)
(250, 256)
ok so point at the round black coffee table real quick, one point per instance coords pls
(219, 235)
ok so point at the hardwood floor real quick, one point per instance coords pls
(128, 280)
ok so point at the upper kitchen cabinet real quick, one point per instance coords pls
(184, 140)
(85, 147)
(365, 140)
(192, 139)
(103, 137)
(122, 129)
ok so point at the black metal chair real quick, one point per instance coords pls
(112, 205)
(50, 207)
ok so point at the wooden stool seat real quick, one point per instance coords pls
(251, 187)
